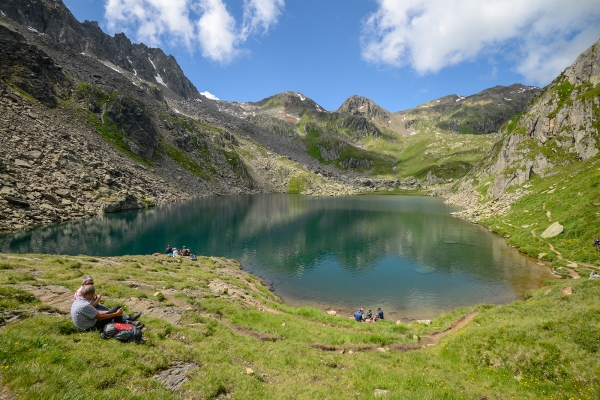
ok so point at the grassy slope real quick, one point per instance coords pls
(447, 155)
(545, 347)
(571, 196)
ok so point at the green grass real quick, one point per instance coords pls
(574, 202)
(545, 347)
(185, 161)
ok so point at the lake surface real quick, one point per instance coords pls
(405, 254)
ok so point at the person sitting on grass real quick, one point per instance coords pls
(88, 280)
(185, 252)
(358, 316)
(594, 274)
(379, 314)
(86, 317)
(169, 250)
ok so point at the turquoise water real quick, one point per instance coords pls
(407, 255)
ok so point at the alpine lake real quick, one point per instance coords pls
(405, 254)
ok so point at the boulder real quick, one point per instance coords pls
(16, 201)
(553, 230)
(63, 193)
(22, 163)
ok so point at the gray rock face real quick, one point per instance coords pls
(559, 128)
(174, 377)
(553, 230)
(20, 62)
(52, 18)
(126, 202)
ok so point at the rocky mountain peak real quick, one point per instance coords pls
(586, 68)
(53, 19)
(358, 105)
(290, 101)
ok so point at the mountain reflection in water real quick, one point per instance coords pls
(404, 254)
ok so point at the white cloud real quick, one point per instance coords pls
(260, 14)
(204, 24)
(217, 31)
(209, 95)
(541, 37)
(151, 21)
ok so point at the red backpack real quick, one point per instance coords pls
(123, 332)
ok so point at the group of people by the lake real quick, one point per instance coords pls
(89, 315)
(361, 316)
(175, 252)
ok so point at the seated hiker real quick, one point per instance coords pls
(594, 274)
(176, 253)
(88, 280)
(193, 257)
(185, 252)
(358, 315)
(169, 249)
(369, 315)
(86, 317)
(379, 314)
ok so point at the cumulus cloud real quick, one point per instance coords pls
(209, 95)
(540, 37)
(152, 21)
(204, 24)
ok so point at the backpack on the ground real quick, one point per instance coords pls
(123, 332)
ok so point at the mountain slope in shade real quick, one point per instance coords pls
(484, 112)
(53, 19)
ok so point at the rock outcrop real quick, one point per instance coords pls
(559, 128)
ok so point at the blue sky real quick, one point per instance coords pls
(399, 53)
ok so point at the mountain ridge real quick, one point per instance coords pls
(53, 18)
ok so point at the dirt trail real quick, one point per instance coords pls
(263, 337)
(572, 273)
(426, 341)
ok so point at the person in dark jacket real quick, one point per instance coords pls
(169, 249)
(379, 313)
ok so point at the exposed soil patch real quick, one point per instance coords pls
(263, 337)
(59, 297)
(567, 290)
(154, 308)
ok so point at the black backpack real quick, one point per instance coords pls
(122, 331)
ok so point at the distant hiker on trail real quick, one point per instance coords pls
(379, 314)
(359, 315)
(169, 249)
(88, 280)
(594, 274)
(86, 317)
